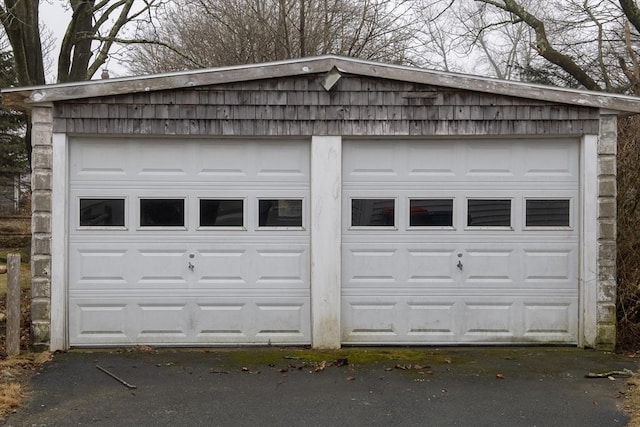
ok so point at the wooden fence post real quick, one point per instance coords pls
(13, 304)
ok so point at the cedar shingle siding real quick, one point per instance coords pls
(356, 106)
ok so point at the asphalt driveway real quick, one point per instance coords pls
(486, 386)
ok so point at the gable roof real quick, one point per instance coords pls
(24, 97)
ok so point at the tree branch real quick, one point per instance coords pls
(542, 44)
(600, 40)
(155, 43)
(633, 73)
(632, 11)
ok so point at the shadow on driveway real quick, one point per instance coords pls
(480, 386)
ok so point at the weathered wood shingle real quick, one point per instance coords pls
(356, 106)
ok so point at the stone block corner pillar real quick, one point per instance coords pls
(606, 234)
(41, 189)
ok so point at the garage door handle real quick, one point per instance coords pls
(191, 266)
(460, 265)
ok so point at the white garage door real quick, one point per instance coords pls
(193, 242)
(460, 241)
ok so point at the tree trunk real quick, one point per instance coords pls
(20, 21)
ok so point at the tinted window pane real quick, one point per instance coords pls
(162, 212)
(102, 212)
(547, 213)
(221, 213)
(280, 213)
(489, 213)
(372, 212)
(431, 212)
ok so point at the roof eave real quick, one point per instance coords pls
(620, 103)
(24, 98)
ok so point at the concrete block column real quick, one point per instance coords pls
(41, 187)
(606, 241)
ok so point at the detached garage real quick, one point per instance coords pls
(322, 201)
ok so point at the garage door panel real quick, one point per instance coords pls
(158, 161)
(556, 161)
(277, 267)
(461, 283)
(195, 320)
(461, 161)
(431, 320)
(431, 266)
(491, 160)
(222, 267)
(371, 265)
(378, 160)
(290, 162)
(161, 267)
(216, 320)
(491, 319)
(100, 267)
(90, 161)
(163, 320)
(399, 320)
(493, 267)
(544, 319)
(281, 320)
(440, 161)
(550, 266)
(98, 321)
(369, 318)
(222, 161)
(189, 285)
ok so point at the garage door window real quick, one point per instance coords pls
(547, 213)
(373, 212)
(222, 213)
(431, 212)
(101, 212)
(162, 212)
(280, 213)
(489, 213)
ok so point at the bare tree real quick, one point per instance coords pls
(585, 40)
(437, 43)
(93, 29)
(469, 37)
(201, 33)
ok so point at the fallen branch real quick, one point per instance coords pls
(115, 377)
(625, 373)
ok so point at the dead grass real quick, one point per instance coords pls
(632, 402)
(15, 373)
(11, 396)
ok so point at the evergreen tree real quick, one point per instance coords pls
(13, 154)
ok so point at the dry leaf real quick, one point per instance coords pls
(341, 362)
